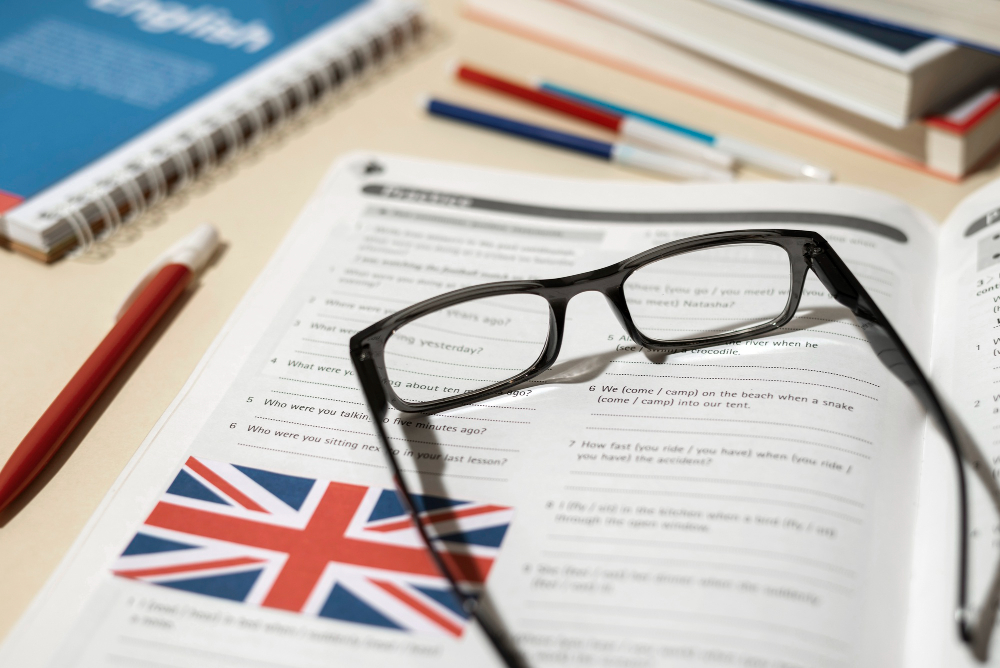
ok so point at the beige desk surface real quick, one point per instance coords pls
(53, 316)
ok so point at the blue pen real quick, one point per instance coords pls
(751, 154)
(613, 152)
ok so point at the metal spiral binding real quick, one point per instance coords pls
(99, 212)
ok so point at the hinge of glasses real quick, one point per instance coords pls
(965, 616)
(812, 250)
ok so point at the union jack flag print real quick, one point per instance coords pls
(315, 547)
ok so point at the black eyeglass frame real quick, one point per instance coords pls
(806, 251)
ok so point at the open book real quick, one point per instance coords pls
(778, 502)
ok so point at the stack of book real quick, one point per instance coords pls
(921, 101)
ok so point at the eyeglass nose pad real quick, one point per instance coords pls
(616, 308)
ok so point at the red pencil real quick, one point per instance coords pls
(165, 281)
(627, 127)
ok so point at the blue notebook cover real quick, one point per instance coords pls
(79, 78)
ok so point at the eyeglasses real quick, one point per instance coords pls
(479, 342)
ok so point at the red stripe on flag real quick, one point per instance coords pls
(436, 517)
(182, 568)
(439, 619)
(230, 491)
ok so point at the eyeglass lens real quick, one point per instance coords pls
(466, 347)
(709, 292)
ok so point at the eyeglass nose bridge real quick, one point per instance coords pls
(609, 287)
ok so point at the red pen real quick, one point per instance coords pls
(159, 288)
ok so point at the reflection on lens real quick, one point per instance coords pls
(709, 292)
(466, 347)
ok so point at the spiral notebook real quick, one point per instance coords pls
(108, 106)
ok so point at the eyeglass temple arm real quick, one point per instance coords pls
(893, 353)
(378, 407)
(890, 349)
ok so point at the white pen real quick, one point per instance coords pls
(744, 151)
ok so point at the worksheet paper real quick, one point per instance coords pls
(966, 365)
(750, 504)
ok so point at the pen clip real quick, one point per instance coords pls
(193, 251)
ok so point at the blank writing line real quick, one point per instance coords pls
(313, 382)
(132, 661)
(360, 321)
(315, 426)
(242, 660)
(822, 331)
(437, 375)
(719, 433)
(510, 408)
(464, 417)
(310, 396)
(776, 424)
(333, 357)
(394, 438)
(411, 441)
(329, 343)
(314, 456)
(808, 636)
(373, 296)
(726, 481)
(470, 366)
(770, 554)
(839, 321)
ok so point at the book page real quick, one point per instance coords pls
(748, 504)
(970, 21)
(966, 371)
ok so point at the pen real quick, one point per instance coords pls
(629, 127)
(617, 152)
(751, 154)
(159, 288)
